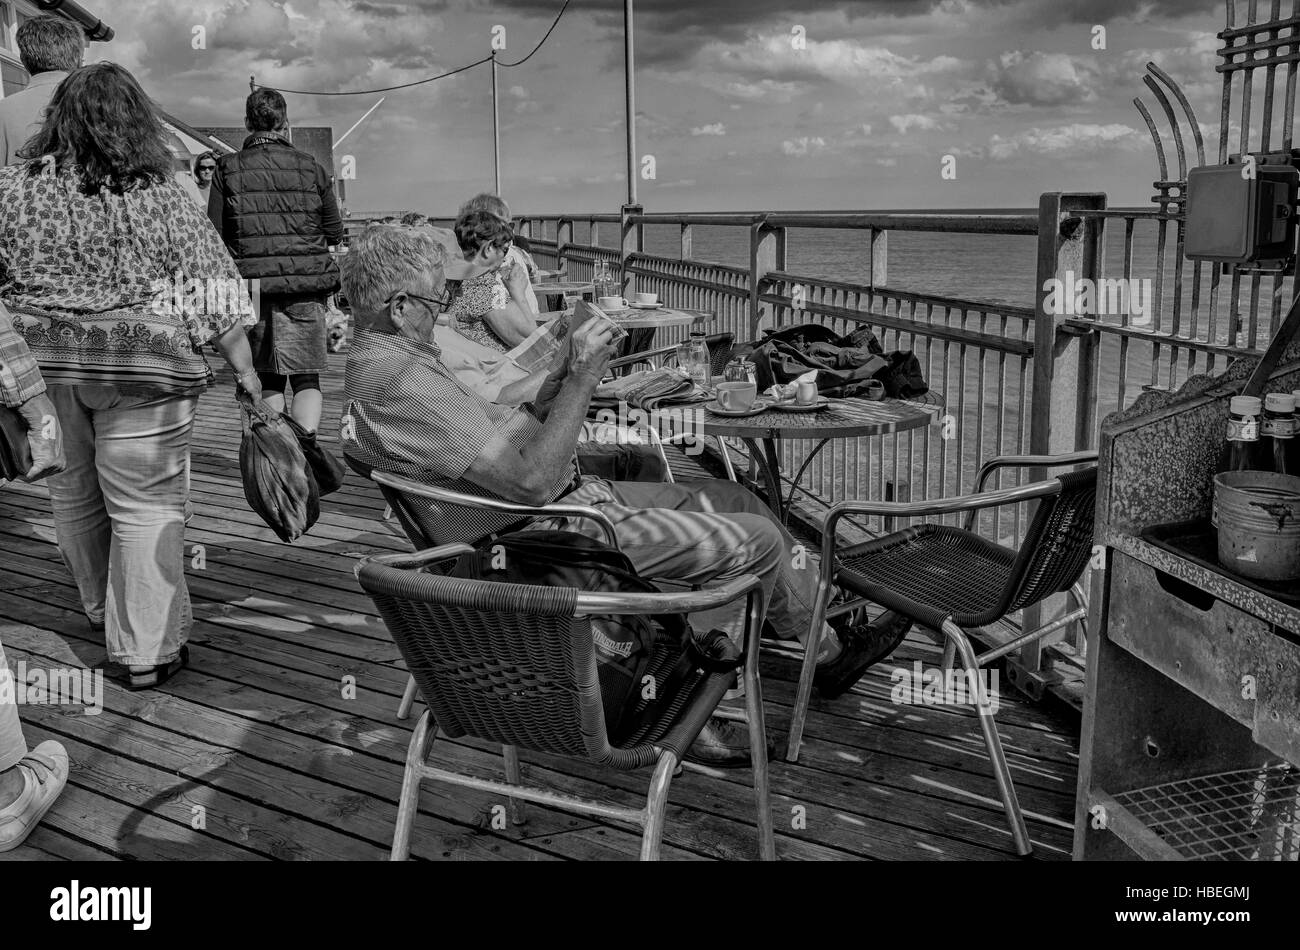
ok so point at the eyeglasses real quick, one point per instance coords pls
(207, 168)
(442, 301)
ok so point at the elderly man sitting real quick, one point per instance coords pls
(406, 413)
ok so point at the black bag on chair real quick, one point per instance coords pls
(625, 646)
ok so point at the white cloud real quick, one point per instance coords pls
(804, 146)
(716, 128)
(922, 123)
(1082, 139)
(1043, 79)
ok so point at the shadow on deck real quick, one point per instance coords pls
(259, 751)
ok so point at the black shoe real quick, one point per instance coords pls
(722, 744)
(862, 645)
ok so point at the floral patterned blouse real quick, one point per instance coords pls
(118, 289)
(475, 299)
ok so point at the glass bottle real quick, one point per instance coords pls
(1277, 431)
(1293, 451)
(1241, 451)
(698, 367)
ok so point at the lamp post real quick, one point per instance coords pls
(630, 232)
(496, 128)
(629, 67)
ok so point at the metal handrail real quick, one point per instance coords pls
(448, 497)
(593, 603)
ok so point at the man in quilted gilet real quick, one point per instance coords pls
(275, 208)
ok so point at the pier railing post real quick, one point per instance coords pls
(766, 254)
(1064, 397)
(878, 258)
(631, 242)
(563, 238)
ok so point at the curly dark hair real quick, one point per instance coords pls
(101, 121)
(474, 229)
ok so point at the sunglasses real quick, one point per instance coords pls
(442, 301)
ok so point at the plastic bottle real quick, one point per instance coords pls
(1277, 432)
(1241, 450)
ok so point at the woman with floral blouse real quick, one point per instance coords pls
(115, 280)
(486, 306)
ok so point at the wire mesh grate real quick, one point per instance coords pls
(1246, 815)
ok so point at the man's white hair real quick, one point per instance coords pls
(384, 259)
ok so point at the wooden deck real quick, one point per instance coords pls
(254, 752)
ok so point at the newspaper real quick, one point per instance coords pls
(537, 352)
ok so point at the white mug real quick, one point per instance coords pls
(646, 299)
(806, 393)
(611, 303)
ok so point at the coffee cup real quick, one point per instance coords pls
(736, 396)
(611, 303)
(806, 393)
(646, 299)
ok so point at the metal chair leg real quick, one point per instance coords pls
(804, 693)
(408, 699)
(758, 755)
(1001, 771)
(949, 655)
(516, 805)
(656, 806)
(416, 753)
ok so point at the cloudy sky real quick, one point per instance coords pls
(736, 111)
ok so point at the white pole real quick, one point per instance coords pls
(358, 122)
(629, 69)
(496, 127)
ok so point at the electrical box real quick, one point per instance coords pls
(1243, 213)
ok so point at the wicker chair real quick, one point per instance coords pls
(950, 579)
(508, 664)
(423, 532)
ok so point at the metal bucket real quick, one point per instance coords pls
(1258, 517)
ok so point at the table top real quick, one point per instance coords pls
(634, 319)
(842, 419)
(564, 287)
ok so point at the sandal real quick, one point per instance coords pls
(152, 679)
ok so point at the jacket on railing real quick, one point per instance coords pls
(274, 207)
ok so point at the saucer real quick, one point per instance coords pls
(821, 403)
(646, 306)
(759, 406)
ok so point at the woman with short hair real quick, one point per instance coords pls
(484, 308)
(110, 271)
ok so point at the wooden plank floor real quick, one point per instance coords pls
(259, 750)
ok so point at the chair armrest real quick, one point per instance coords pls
(447, 497)
(641, 357)
(406, 561)
(677, 602)
(1026, 461)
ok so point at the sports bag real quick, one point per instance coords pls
(624, 645)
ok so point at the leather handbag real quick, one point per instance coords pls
(15, 451)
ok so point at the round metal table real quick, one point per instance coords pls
(555, 291)
(842, 419)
